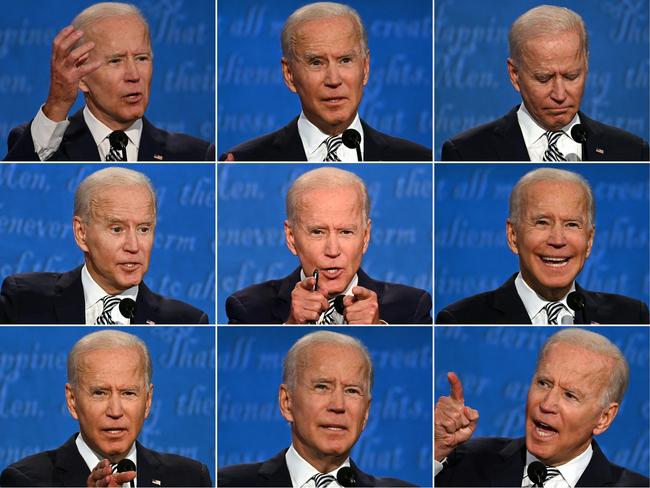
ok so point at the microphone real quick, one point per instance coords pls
(567, 320)
(127, 308)
(537, 473)
(119, 140)
(576, 301)
(126, 464)
(338, 304)
(579, 134)
(345, 475)
(352, 139)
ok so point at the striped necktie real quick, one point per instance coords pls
(552, 152)
(553, 310)
(109, 302)
(551, 472)
(330, 316)
(322, 480)
(332, 143)
(119, 140)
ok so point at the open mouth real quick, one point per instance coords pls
(334, 100)
(543, 430)
(555, 262)
(129, 266)
(331, 273)
(133, 97)
(114, 432)
(334, 427)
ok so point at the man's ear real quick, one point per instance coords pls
(149, 399)
(290, 238)
(284, 399)
(590, 241)
(366, 236)
(287, 73)
(511, 236)
(366, 69)
(79, 230)
(513, 72)
(71, 401)
(606, 418)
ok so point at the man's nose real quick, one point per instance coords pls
(114, 408)
(333, 75)
(131, 242)
(558, 91)
(557, 236)
(549, 403)
(337, 401)
(332, 246)
(131, 72)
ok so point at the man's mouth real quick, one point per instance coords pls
(331, 273)
(129, 266)
(544, 430)
(555, 262)
(115, 431)
(334, 427)
(133, 97)
(334, 100)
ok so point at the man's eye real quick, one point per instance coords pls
(142, 58)
(321, 387)
(98, 393)
(346, 60)
(144, 229)
(315, 62)
(352, 391)
(114, 61)
(542, 222)
(116, 229)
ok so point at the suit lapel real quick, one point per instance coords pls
(509, 470)
(598, 472)
(146, 306)
(287, 143)
(374, 144)
(282, 306)
(78, 143)
(69, 298)
(512, 146)
(71, 469)
(367, 282)
(596, 143)
(275, 470)
(149, 468)
(152, 143)
(508, 303)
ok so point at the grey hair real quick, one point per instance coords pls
(102, 340)
(104, 10)
(518, 194)
(325, 177)
(296, 358)
(318, 11)
(89, 189)
(545, 20)
(619, 376)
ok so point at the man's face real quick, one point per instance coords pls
(111, 400)
(117, 93)
(328, 407)
(118, 238)
(551, 78)
(328, 72)
(329, 235)
(553, 238)
(564, 407)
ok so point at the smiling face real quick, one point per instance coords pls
(564, 409)
(111, 400)
(118, 237)
(328, 407)
(551, 78)
(328, 71)
(553, 238)
(117, 93)
(329, 235)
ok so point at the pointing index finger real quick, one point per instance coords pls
(456, 387)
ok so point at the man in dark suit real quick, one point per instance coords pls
(551, 228)
(326, 61)
(548, 66)
(106, 53)
(110, 418)
(575, 394)
(328, 228)
(113, 224)
(325, 396)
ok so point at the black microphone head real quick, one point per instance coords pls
(127, 308)
(576, 301)
(118, 139)
(125, 465)
(351, 138)
(579, 133)
(537, 473)
(345, 475)
(338, 304)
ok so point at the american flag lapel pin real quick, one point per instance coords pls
(600, 151)
(150, 322)
(156, 482)
(158, 157)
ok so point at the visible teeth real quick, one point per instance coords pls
(544, 432)
(334, 428)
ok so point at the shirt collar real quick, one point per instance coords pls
(312, 137)
(301, 471)
(92, 458)
(100, 131)
(94, 293)
(533, 132)
(348, 291)
(570, 471)
(535, 303)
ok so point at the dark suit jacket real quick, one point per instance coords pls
(500, 462)
(78, 144)
(285, 145)
(274, 472)
(65, 467)
(502, 140)
(270, 302)
(503, 306)
(58, 298)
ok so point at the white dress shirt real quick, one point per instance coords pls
(570, 472)
(313, 141)
(301, 471)
(47, 135)
(93, 294)
(92, 459)
(535, 304)
(537, 143)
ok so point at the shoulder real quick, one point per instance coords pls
(179, 146)
(181, 470)
(613, 134)
(36, 284)
(612, 308)
(274, 146)
(34, 470)
(393, 148)
(239, 475)
(465, 310)
(171, 311)
(254, 303)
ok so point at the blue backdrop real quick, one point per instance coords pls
(397, 438)
(36, 202)
(496, 364)
(183, 38)
(254, 100)
(472, 84)
(34, 416)
(251, 213)
(471, 252)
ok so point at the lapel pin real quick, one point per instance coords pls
(156, 482)
(158, 157)
(150, 322)
(600, 151)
